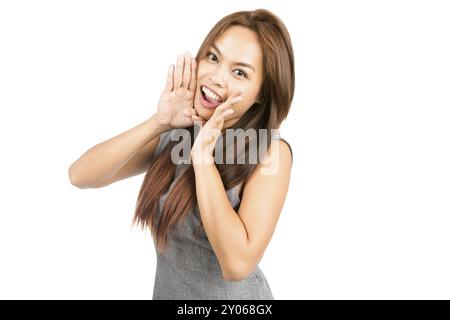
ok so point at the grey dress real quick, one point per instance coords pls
(189, 269)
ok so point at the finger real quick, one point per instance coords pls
(193, 81)
(218, 118)
(202, 123)
(169, 80)
(227, 113)
(187, 70)
(234, 98)
(187, 112)
(224, 115)
(199, 122)
(197, 118)
(179, 72)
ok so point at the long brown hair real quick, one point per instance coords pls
(276, 95)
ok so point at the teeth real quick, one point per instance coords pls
(210, 94)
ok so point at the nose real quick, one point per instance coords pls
(218, 79)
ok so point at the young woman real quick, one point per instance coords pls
(210, 221)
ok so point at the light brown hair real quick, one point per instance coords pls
(276, 95)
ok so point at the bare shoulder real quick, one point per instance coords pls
(277, 162)
(274, 170)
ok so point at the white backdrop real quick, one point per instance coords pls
(367, 213)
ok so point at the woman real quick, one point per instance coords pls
(210, 221)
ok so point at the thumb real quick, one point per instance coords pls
(193, 111)
(187, 112)
(197, 119)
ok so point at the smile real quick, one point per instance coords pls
(209, 98)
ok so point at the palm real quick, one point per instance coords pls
(172, 105)
(175, 107)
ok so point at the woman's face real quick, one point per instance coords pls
(233, 62)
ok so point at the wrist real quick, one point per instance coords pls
(159, 125)
(201, 159)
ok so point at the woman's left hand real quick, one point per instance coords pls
(202, 150)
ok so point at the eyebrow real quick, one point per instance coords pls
(236, 63)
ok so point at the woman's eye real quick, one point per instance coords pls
(212, 57)
(240, 73)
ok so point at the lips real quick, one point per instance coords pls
(208, 104)
(209, 98)
(220, 98)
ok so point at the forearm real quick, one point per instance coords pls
(104, 159)
(223, 226)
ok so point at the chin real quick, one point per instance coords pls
(203, 112)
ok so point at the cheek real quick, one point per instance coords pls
(202, 70)
(250, 96)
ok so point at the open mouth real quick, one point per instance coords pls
(209, 98)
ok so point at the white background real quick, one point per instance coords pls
(367, 213)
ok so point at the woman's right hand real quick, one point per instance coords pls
(176, 103)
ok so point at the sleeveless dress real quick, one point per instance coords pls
(189, 270)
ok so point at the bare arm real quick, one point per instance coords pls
(120, 157)
(239, 239)
(131, 152)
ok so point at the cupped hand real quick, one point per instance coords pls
(205, 142)
(176, 103)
